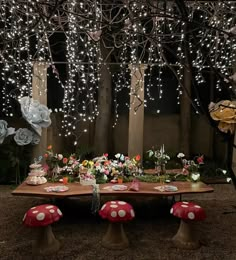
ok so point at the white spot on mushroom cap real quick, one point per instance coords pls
(59, 212)
(24, 217)
(185, 202)
(35, 211)
(33, 208)
(40, 216)
(113, 214)
(197, 206)
(191, 215)
(113, 202)
(114, 206)
(132, 213)
(121, 202)
(121, 213)
(51, 210)
(171, 211)
(49, 207)
(184, 206)
(103, 207)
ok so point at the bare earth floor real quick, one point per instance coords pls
(150, 233)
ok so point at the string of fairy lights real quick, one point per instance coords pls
(142, 35)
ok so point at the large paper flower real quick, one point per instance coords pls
(35, 139)
(36, 114)
(23, 136)
(4, 131)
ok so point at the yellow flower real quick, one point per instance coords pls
(91, 163)
(85, 162)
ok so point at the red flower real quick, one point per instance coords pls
(65, 160)
(137, 157)
(105, 154)
(200, 159)
(46, 155)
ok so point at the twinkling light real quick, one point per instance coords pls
(134, 32)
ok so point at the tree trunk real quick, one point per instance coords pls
(102, 127)
(185, 114)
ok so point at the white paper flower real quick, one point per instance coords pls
(5, 131)
(23, 136)
(36, 114)
(36, 139)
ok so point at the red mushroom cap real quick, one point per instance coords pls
(188, 211)
(42, 215)
(117, 211)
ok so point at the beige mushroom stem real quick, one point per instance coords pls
(186, 237)
(46, 243)
(115, 237)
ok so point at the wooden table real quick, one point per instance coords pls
(75, 189)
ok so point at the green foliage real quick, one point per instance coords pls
(213, 169)
(84, 152)
(14, 161)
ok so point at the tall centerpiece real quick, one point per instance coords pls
(160, 159)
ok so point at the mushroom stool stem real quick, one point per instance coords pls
(115, 237)
(186, 237)
(46, 243)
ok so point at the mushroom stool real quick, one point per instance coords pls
(117, 212)
(187, 212)
(42, 217)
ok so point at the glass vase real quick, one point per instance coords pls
(163, 169)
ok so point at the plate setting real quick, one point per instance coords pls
(119, 187)
(59, 188)
(167, 188)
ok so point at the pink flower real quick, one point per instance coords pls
(185, 171)
(200, 159)
(45, 167)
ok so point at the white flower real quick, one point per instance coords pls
(150, 153)
(195, 176)
(224, 171)
(117, 155)
(36, 114)
(180, 155)
(35, 139)
(23, 136)
(4, 131)
(59, 157)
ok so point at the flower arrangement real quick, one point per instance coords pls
(191, 167)
(160, 158)
(100, 168)
(58, 165)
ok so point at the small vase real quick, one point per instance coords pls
(163, 169)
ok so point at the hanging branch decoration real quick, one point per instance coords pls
(136, 32)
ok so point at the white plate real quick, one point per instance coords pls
(59, 188)
(169, 188)
(119, 187)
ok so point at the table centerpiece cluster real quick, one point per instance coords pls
(119, 169)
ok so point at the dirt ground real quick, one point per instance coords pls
(150, 233)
